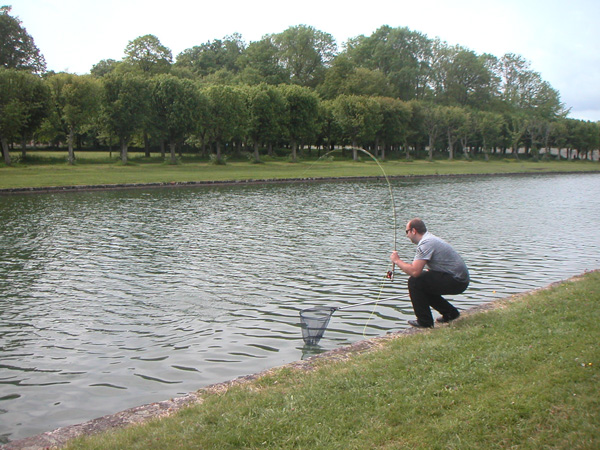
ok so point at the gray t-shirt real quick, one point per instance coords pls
(441, 257)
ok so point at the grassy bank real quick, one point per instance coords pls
(98, 169)
(524, 375)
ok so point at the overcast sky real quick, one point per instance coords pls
(560, 38)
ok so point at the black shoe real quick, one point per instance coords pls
(417, 324)
(446, 319)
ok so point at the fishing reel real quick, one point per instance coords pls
(390, 275)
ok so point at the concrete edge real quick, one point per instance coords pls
(180, 184)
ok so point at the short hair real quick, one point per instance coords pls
(418, 225)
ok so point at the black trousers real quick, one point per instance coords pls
(426, 292)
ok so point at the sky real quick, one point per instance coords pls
(560, 38)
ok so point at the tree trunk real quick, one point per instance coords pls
(5, 151)
(256, 154)
(23, 147)
(485, 151)
(431, 142)
(219, 152)
(146, 145)
(354, 151)
(124, 151)
(70, 139)
(294, 150)
(172, 148)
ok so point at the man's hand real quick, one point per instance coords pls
(414, 270)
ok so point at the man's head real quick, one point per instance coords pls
(415, 229)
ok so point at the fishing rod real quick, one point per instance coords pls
(390, 273)
(370, 302)
(314, 320)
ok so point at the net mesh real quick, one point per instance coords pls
(314, 322)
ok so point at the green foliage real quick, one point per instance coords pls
(305, 52)
(125, 101)
(267, 113)
(360, 118)
(148, 56)
(24, 103)
(17, 47)
(260, 63)
(213, 56)
(409, 94)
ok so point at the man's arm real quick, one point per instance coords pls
(413, 269)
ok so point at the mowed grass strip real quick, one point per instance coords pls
(524, 375)
(99, 170)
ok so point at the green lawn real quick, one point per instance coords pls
(96, 168)
(523, 375)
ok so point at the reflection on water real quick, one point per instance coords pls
(109, 300)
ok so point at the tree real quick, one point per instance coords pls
(559, 135)
(359, 119)
(176, 105)
(330, 131)
(302, 113)
(306, 53)
(453, 120)
(401, 54)
(76, 100)
(585, 137)
(523, 89)
(515, 125)
(148, 56)
(104, 67)
(465, 78)
(227, 113)
(24, 102)
(260, 63)
(17, 48)
(266, 113)
(13, 111)
(433, 123)
(35, 93)
(213, 56)
(396, 116)
(488, 125)
(416, 134)
(344, 78)
(126, 103)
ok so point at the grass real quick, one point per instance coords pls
(48, 169)
(523, 375)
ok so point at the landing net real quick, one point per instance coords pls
(314, 323)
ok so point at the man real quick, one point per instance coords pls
(447, 274)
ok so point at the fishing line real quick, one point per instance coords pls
(389, 185)
(390, 274)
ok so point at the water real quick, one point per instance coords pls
(110, 300)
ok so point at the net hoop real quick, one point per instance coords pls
(314, 323)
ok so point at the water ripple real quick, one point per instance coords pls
(113, 299)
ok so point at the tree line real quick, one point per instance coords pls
(394, 92)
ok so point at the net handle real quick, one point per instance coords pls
(370, 302)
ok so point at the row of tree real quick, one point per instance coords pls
(394, 90)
